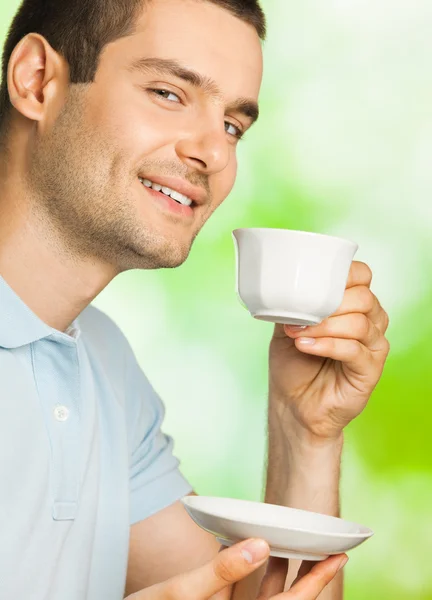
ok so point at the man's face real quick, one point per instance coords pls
(159, 124)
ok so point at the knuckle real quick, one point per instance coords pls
(386, 320)
(355, 349)
(225, 570)
(326, 327)
(367, 270)
(362, 326)
(367, 299)
(331, 342)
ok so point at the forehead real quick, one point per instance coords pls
(202, 36)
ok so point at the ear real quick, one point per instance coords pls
(37, 77)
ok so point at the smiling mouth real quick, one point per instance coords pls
(173, 194)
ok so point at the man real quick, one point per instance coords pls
(119, 126)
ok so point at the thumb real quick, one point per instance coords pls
(228, 567)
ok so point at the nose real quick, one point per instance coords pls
(206, 150)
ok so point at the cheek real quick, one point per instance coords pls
(134, 124)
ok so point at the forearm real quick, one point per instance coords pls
(303, 472)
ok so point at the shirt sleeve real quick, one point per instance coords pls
(155, 478)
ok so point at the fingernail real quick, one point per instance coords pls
(296, 327)
(343, 563)
(255, 551)
(307, 341)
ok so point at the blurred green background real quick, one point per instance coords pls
(344, 147)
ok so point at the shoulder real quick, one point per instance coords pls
(108, 348)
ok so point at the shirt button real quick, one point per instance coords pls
(61, 413)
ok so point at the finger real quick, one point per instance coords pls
(360, 299)
(355, 326)
(229, 566)
(311, 585)
(360, 274)
(274, 578)
(305, 568)
(353, 353)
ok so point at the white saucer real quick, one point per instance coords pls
(290, 533)
(286, 318)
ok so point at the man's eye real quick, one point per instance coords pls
(167, 95)
(233, 130)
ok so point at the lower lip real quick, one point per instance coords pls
(168, 203)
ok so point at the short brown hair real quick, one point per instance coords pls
(79, 30)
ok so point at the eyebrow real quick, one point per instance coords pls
(249, 108)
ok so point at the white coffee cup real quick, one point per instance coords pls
(291, 277)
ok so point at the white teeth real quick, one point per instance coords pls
(177, 196)
(167, 191)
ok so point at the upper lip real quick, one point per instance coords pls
(196, 194)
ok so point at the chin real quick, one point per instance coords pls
(168, 255)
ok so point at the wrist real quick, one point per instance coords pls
(299, 450)
(289, 433)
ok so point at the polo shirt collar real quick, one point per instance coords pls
(19, 325)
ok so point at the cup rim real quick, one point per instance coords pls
(305, 233)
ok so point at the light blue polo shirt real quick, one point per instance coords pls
(82, 455)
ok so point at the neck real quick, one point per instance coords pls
(54, 284)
